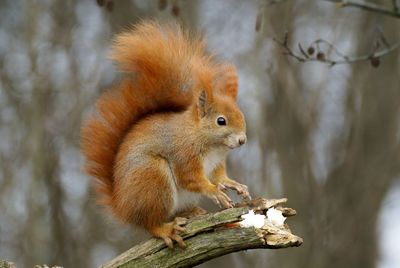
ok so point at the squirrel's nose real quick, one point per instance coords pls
(242, 140)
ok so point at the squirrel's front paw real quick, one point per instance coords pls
(241, 189)
(220, 198)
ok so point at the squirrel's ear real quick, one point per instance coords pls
(227, 83)
(203, 103)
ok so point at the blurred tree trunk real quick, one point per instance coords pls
(357, 186)
(45, 197)
(337, 216)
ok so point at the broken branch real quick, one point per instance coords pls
(213, 235)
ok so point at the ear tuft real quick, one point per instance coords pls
(228, 82)
(202, 98)
(202, 103)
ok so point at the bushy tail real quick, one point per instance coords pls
(158, 62)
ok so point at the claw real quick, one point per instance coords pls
(179, 228)
(178, 240)
(169, 232)
(177, 225)
(216, 201)
(168, 241)
(220, 198)
(222, 187)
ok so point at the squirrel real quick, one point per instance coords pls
(159, 139)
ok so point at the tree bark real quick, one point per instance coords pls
(213, 235)
(6, 264)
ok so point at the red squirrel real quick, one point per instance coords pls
(158, 140)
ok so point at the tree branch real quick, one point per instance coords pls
(369, 6)
(213, 235)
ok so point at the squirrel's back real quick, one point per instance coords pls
(160, 63)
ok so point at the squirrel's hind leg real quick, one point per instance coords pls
(155, 207)
(146, 197)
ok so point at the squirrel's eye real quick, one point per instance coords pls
(221, 121)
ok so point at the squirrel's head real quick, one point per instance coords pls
(219, 114)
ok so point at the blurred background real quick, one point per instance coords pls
(327, 137)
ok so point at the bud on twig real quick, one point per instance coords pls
(375, 61)
(320, 56)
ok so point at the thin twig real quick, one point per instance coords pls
(302, 56)
(369, 6)
(330, 46)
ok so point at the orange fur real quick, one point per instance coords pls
(154, 137)
(228, 82)
(161, 63)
